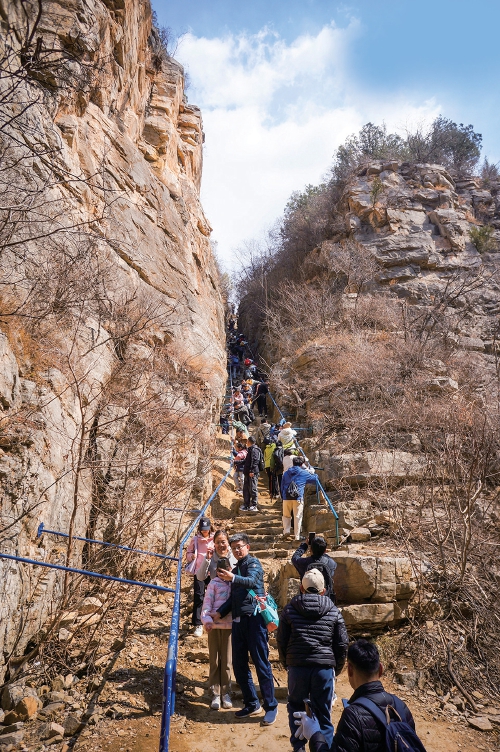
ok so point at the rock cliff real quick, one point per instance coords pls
(112, 340)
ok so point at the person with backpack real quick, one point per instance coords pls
(269, 466)
(252, 466)
(260, 396)
(292, 492)
(312, 645)
(373, 719)
(238, 463)
(317, 560)
(278, 456)
(249, 632)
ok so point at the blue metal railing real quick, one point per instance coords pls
(173, 640)
(85, 572)
(42, 530)
(319, 486)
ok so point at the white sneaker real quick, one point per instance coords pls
(215, 704)
(226, 702)
(198, 631)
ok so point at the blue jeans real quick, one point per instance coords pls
(250, 637)
(317, 684)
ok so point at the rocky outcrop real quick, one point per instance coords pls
(116, 387)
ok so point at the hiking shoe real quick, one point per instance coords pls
(215, 704)
(226, 702)
(253, 509)
(243, 508)
(270, 717)
(246, 712)
(198, 631)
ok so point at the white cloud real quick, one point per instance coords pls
(273, 115)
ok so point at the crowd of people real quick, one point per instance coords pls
(313, 644)
(272, 447)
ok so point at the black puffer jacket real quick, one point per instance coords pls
(357, 730)
(312, 632)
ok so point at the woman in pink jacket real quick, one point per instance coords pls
(219, 638)
(196, 554)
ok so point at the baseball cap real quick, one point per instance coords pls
(205, 524)
(313, 581)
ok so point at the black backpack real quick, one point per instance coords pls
(399, 735)
(292, 491)
(321, 567)
(261, 460)
(278, 460)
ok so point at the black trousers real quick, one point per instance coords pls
(250, 493)
(261, 404)
(199, 587)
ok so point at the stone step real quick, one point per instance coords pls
(271, 553)
(267, 530)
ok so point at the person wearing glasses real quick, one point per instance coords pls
(249, 633)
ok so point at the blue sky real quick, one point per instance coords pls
(281, 85)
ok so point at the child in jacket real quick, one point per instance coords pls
(196, 554)
(219, 638)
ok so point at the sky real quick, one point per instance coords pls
(282, 83)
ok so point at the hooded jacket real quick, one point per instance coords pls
(312, 632)
(300, 477)
(357, 730)
(287, 436)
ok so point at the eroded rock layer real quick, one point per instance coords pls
(112, 351)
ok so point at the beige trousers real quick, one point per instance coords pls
(219, 655)
(298, 510)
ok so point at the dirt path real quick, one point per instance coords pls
(196, 728)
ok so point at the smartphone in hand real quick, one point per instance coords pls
(310, 538)
(309, 711)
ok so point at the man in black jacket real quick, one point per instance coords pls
(251, 476)
(318, 556)
(358, 731)
(312, 644)
(249, 633)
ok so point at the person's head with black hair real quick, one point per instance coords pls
(298, 461)
(251, 440)
(318, 546)
(288, 452)
(240, 545)
(363, 663)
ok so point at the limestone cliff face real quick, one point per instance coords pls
(118, 257)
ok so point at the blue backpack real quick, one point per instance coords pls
(399, 735)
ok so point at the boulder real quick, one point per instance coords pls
(369, 578)
(290, 587)
(480, 723)
(443, 385)
(50, 730)
(369, 615)
(89, 605)
(13, 739)
(71, 725)
(161, 609)
(360, 467)
(28, 707)
(360, 534)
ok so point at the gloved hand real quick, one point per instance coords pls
(306, 726)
